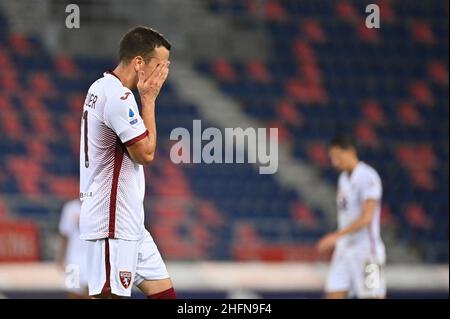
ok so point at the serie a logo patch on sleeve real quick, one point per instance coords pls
(131, 115)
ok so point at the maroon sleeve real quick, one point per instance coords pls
(137, 138)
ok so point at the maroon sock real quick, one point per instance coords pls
(166, 294)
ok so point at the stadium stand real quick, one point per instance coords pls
(389, 88)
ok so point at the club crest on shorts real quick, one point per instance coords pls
(125, 278)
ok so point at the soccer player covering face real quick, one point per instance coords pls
(116, 141)
(358, 259)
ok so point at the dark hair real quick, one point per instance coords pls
(141, 41)
(344, 142)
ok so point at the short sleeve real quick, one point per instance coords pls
(123, 117)
(370, 186)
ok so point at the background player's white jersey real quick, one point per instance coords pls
(69, 227)
(112, 186)
(364, 183)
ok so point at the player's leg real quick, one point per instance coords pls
(338, 281)
(152, 277)
(80, 293)
(336, 294)
(368, 277)
(79, 289)
(111, 264)
(157, 289)
(96, 268)
(123, 266)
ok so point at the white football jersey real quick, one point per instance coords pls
(112, 186)
(364, 183)
(69, 227)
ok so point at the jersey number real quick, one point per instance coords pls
(86, 156)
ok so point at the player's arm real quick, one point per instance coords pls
(363, 221)
(368, 209)
(143, 151)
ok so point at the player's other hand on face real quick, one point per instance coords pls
(327, 242)
(149, 85)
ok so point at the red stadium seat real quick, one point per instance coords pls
(30, 186)
(37, 149)
(276, 252)
(313, 31)
(9, 82)
(24, 166)
(258, 72)
(423, 179)
(202, 236)
(246, 232)
(368, 35)
(28, 174)
(311, 74)
(175, 183)
(421, 93)
(181, 250)
(408, 114)
(304, 215)
(283, 133)
(386, 12)
(11, 125)
(33, 103)
(438, 72)
(289, 113)
(43, 124)
(76, 102)
(66, 66)
(71, 125)
(421, 32)
(164, 231)
(366, 135)
(387, 218)
(417, 216)
(20, 44)
(64, 187)
(41, 84)
(171, 212)
(4, 58)
(173, 245)
(5, 61)
(224, 70)
(373, 112)
(419, 161)
(347, 12)
(275, 11)
(318, 154)
(305, 92)
(5, 104)
(303, 52)
(208, 213)
(417, 157)
(426, 156)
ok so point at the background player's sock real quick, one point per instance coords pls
(166, 294)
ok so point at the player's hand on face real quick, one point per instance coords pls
(149, 85)
(327, 242)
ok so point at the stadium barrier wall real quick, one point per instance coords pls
(234, 276)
